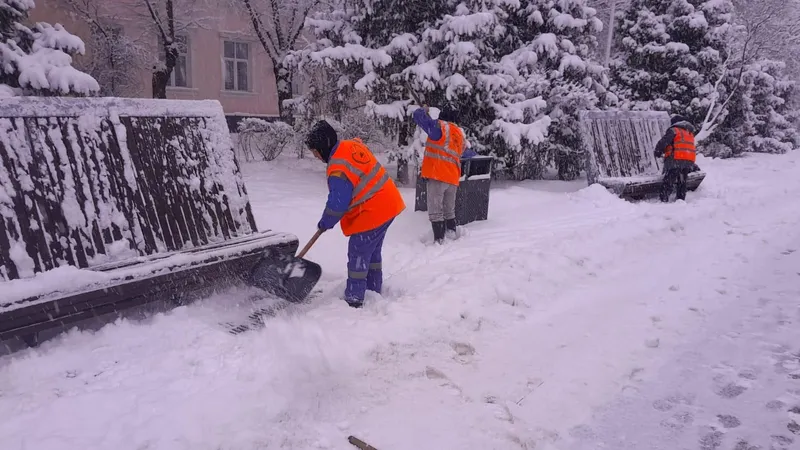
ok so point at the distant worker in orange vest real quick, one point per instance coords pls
(441, 167)
(678, 149)
(363, 196)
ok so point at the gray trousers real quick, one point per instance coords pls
(441, 200)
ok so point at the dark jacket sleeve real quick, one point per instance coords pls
(661, 147)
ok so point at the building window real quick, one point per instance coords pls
(236, 60)
(180, 73)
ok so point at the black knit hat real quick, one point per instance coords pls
(678, 118)
(448, 115)
(322, 138)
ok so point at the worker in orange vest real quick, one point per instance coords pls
(678, 149)
(441, 167)
(364, 198)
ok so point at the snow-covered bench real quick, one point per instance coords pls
(619, 151)
(112, 204)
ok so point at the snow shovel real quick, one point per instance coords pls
(289, 277)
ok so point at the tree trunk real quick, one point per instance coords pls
(402, 163)
(283, 82)
(160, 79)
(161, 75)
(612, 7)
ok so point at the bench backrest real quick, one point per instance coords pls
(90, 181)
(621, 143)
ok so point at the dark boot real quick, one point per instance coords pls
(439, 230)
(681, 186)
(451, 230)
(667, 185)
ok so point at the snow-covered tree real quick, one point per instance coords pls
(607, 12)
(357, 61)
(163, 16)
(496, 62)
(769, 29)
(114, 56)
(36, 60)
(277, 24)
(565, 39)
(762, 114)
(776, 116)
(672, 55)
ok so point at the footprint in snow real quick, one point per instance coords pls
(711, 441)
(749, 374)
(781, 442)
(794, 420)
(678, 420)
(464, 352)
(500, 409)
(652, 343)
(582, 432)
(730, 390)
(728, 421)
(744, 445)
(668, 403)
(433, 373)
(663, 405)
(775, 405)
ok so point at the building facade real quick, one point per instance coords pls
(219, 56)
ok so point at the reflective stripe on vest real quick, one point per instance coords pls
(363, 181)
(683, 147)
(451, 156)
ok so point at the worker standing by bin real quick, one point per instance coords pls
(441, 168)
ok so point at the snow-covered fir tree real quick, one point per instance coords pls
(762, 113)
(511, 69)
(36, 60)
(565, 42)
(772, 96)
(356, 60)
(671, 53)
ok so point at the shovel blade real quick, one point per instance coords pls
(287, 277)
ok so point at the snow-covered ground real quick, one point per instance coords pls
(569, 319)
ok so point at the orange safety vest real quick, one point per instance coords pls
(682, 147)
(442, 160)
(376, 199)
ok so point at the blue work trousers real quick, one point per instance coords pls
(364, 270)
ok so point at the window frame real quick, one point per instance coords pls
(235, 60)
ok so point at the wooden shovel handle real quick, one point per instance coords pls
(310, 243)
(414, 95)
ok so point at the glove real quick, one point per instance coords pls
(322, 226)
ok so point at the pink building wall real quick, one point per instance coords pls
(205, 54)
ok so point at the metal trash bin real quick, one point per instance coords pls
(472, 197)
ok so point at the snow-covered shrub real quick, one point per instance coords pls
(671, 53)
(265, 139)
(761, 115)
(775, 117)
(36, 60)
